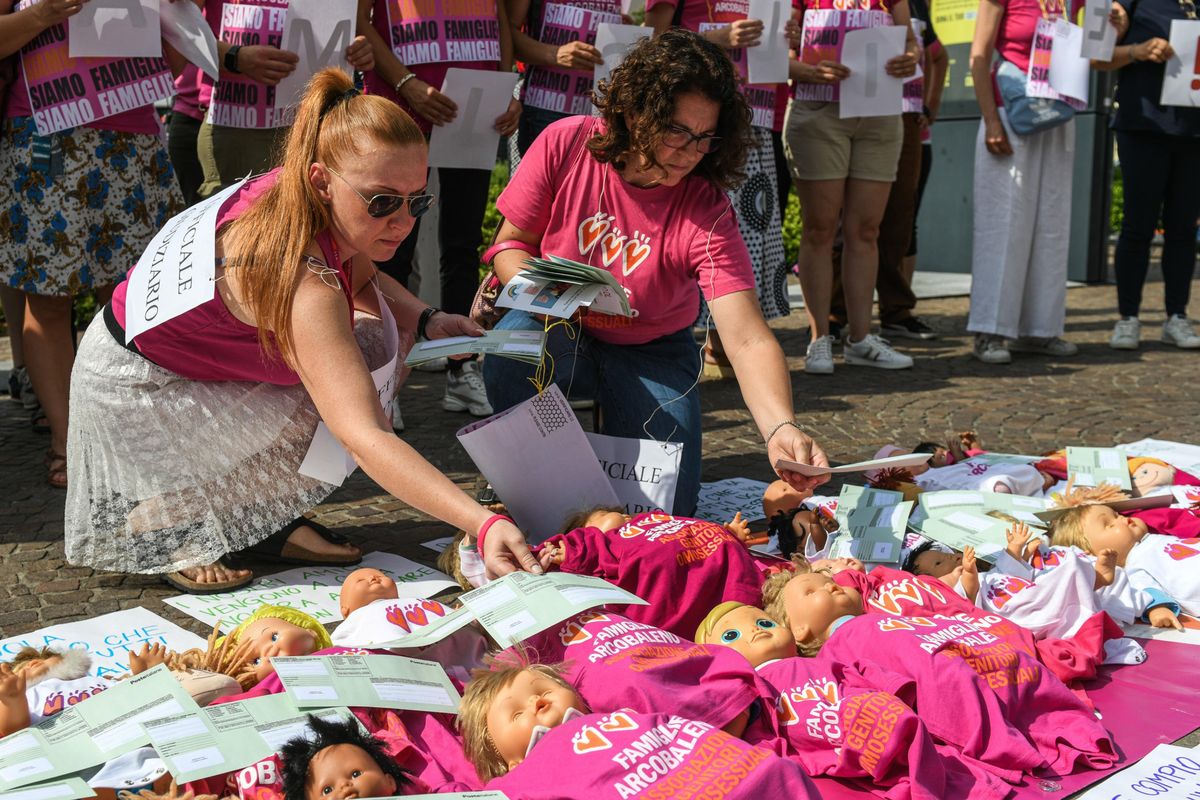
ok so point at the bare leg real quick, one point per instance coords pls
(13, 302)
(821, 207)
(865, 204)
(49, 354)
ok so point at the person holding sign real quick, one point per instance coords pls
(640, 192)
(1159, 147)
(1022, 192)
(192, 439)
(88, 182)
(844, 169)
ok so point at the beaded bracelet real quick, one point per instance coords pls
(775, 430)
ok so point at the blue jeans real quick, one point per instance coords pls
(627, 381)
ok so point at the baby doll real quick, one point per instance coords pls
(680, 566)
(530, 735)
(974, 679)
(338, 761)
(806, 528)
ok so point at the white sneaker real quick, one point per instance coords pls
(397, 418)
(1126, 335)
(990, 349)
(465, 391)
(436, 365)
(1176, 330)
(818, 360)
(874, 352)
(1043, 345)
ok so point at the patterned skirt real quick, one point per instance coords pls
(169, 473)
(78, 207)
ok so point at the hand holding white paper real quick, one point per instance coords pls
(1069, 71)
(1181, 83)
(613, 42)
(1099, 35)
(318, 31)
(184, 27)
(115, 28)
(768, 62)
(469, 141)
(869, 91)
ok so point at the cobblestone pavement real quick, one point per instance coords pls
(1101, 397)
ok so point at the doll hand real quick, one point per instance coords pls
(360, 55)
(14, 710)
(552, 555)
(739, 527)
(1017, 536)
(149, 657)
(969, 440)
(505, 551)
(172, 793)
(1163, 617)
(1106, 568)
(970, 573)
(792, 444)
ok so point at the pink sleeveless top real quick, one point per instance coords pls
(208, 343)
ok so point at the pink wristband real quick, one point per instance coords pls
(490, 254)
(485, 527)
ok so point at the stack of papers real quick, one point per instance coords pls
(524, 346)
(557, 287)
(871, 525)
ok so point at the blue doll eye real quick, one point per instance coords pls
(274, 637)
(731, 636)
(765, 624)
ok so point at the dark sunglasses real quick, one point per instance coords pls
(680, 138)
(384, 205)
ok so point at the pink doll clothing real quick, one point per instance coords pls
(614, 662)
(624, 754)
(52, 695)
(1168, 565)
(208, 343)
(682, 567)
(978, 690)
(661, 243)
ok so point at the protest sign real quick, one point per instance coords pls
(614, 41)
(1099, 35)
(318, 31)
(768, 62)
(469, 141)
(184, 27)
(1167, 771)
(567, 91)
(115, 28)
(823, 39)
(869, 91)
(1069, 71)
(431, 31)
(643, 473)
(239, 101)
(1181, 81)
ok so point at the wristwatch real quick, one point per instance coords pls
(231, 59)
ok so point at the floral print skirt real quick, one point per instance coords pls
(77, 208)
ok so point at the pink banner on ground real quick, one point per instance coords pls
(241, 102)
(567, 91)
(821, 40)
(430, 31)
(759, 96)
(1142, 706)
(65, 92)
(1038, 84)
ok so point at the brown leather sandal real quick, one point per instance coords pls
(56, 469)
(276, 547)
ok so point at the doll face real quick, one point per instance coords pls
(832, 566)
(346, 770)
(37, 667)
(270, 637)
(813, 602)
(363, 587)
(939, 458)
(606, 520)
(1151, 476)
(753, 634)
(1105, 528)
(937, 564)
(532, 699)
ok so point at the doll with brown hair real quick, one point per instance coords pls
(338, 761)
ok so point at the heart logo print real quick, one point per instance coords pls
(618, 721)
(590, 231)
(573, 633)
(611, 247)
(633, 255)
(785, 711)
(395, 615)
(1180, 551)
(417, 616)
(894, 625)
(589, 740)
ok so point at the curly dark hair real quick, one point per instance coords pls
(654, 73)
(297, 754)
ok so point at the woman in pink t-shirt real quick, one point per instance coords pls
(639, 192)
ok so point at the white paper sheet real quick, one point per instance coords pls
(1069, 71)
(1167, 771)
(1182, 456)
(643, 473)
(108, 638)
(1181, 83)
(470, 140)
(768, 62)
(318, 31)
(613, 42)
(1099, 36)
(115, 28)
(185, 29)
(891, 462)
(869, 91)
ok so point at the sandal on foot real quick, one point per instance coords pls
(276, 547)
(185, 584)
(39, 421)
(56, 469)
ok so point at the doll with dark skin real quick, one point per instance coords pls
(792, 524)
(340, 761)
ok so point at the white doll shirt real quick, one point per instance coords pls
(1164, 563)
(53, 695)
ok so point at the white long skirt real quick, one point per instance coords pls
(167, 473)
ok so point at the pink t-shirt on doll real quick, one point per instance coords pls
(654, 756)
(661, 243)
(681, 566)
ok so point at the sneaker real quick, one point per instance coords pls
(874, 352)
(28, 399)
(990, 349)
(437, 365)
(909, 328)
(1178, 331)
(465, 391)
(1044, 345)
(14, 384)
(397, 417)
(818, 360)
(1126, 335)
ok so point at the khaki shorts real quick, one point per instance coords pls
(822, 147)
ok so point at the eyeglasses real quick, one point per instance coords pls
(680, 138)
(384, 205)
